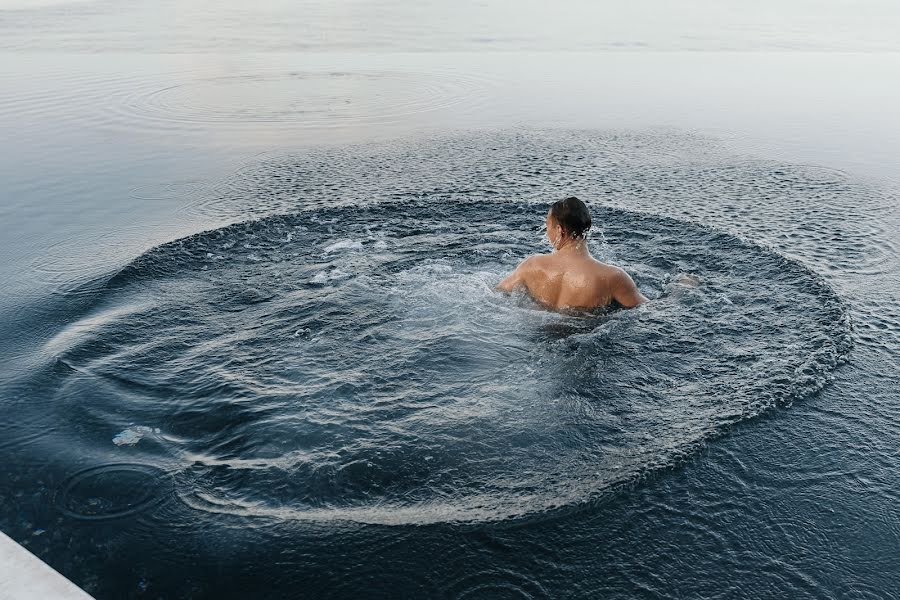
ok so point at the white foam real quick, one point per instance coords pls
(132, 435)
(326, 276)
(343, 245)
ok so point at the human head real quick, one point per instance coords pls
(567, 219)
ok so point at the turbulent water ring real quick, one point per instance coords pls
(355, 366)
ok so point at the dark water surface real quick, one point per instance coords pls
(354, 364)
(250, 347)
(332, 395)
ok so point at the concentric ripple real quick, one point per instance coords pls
(306, 98)
(257, 99)
(497, 585)
(112, 491)
(355, 363)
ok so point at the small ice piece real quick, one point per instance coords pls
(381, 244)
(132, 435)
(343, 245)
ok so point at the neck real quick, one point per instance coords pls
(573, 245)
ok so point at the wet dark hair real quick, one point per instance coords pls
(573, 215)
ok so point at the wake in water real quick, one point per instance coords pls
(356, 364)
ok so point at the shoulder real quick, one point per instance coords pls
(533, 269)
(611, 273)
(527, 271)
(619, 277)
(535, 262)
(624, 290)
(618, 274)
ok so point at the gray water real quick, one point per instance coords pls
(251, 346)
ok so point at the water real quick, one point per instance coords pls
(251, 346)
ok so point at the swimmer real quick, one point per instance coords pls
(569, 277)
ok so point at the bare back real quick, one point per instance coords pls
(573, 280)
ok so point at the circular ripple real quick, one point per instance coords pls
(259, 99)
(497, 584)
(300, 98)
(111, 491)
(355, 364)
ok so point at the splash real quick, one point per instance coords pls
(361, 367)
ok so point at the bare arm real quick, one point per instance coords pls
(517, 277)
(625, 292)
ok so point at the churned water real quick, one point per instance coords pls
(355, 364)
(252, 347)
(343, 361)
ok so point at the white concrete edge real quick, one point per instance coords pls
(23, 576)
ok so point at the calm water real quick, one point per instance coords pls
(251, 348)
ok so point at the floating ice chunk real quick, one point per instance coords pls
(132, 435)
(343, 245)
